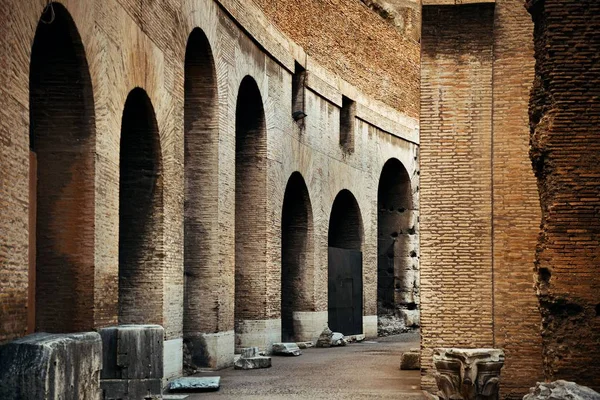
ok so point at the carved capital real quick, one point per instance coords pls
(468, 374)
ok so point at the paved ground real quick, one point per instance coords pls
(368, 370)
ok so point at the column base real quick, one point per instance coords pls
(308, 325)
(257, 333)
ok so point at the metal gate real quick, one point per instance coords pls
(345, 291)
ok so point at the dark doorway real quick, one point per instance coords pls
(297, 262)
(140, 214)
(397, 263)
(345, 288)
(62, 142)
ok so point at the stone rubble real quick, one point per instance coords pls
(196, 383)
(286, 349)
(561, 390)
(251, 359)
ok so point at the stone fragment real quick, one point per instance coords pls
(174, 396)
(561, 390)
(117, 389)
(305, 345)
(51, 367)
(253, 362)
(132, 361)
(251, 359)
(360, 338)
(196, 383)
(337, 339)
(325, 338)
(286, 349)
(410, 360)
(468, 374)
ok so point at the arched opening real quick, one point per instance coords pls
(201, 138)
(397, 262)
(250, 208)
(345, 286)
(140, 214)
(297, 262)
(62, 146)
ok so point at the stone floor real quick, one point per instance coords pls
(368, 370)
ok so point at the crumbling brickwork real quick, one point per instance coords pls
(565, 149)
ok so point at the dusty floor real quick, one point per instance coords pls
(368, 370)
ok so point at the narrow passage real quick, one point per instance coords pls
(367, 370)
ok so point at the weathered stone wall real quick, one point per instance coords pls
(131, 44)
(565, 150)
(480, 212)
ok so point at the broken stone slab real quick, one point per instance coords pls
(468, 374)
(253, 362)
(195, 383)
(360, 338)
(251, 358)
(286, 349)
(51, 367)
(410, 360)
(337, 339)
(561, 390)
(305, 345)
(325, 338)
(174, 396)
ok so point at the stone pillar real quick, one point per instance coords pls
(468, 374)
(47, 366)
(132, 361)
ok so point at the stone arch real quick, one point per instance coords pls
(201, 136)
(297, 256)
(345, 287)
(250, 209)
(397, 265)
(62, 194)
(140, 214)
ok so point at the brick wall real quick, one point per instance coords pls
(369, 52)
(456, 176)
(516, 210)
(565, 140)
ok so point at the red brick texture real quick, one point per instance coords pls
(456, 225)
(565, 150)
(480, 208)
(516, 207)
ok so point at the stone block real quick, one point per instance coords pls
(410, 361)
(118, 389)
(252, 362)
(337, 339)
(132, 352)
(47, 366)
(305, 345)
(194, 383)
(286, 349)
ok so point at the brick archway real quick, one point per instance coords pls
(201, 135)
(62, 144)
(140, 214)
(397, 262)
(297, 255)
(250, 209)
